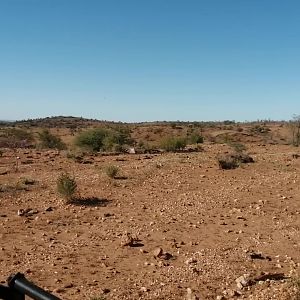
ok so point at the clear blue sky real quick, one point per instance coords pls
(143, 60)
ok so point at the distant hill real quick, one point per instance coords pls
(61, 122)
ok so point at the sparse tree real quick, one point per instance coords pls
(295, 130)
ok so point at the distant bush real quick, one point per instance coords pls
(15, 138)
(261, 129)
(112, 171)
(92, 140)
(172, 144)
(101, 139)
(66, 186)
(229, 122)
(195, 138)
(50, 141)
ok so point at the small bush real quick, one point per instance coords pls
(233, 161)
(112, 171)
(66, 186)
(76, 156)
(228, 162)
(50, 141)
(172, 144)
(196, 138)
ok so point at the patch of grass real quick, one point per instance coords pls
(195, 138)
(112, 171)
(172, 144)
(76, 156)
(13, 187)
(238, 147)
(66, 186)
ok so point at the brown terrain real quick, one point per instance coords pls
(170, 226)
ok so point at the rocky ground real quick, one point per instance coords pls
(171, 226)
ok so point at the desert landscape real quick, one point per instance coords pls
(157, 216)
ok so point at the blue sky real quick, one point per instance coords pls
(145, 60)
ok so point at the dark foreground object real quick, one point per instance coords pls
(19, 287)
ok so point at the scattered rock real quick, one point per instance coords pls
(191, 261)
(27, 212)
(191, 295)
(242, 281)
(68, 285)
(128, 240)
(258, 255)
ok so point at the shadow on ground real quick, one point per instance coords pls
(90, 201)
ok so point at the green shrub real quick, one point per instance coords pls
(50, 141)
(103, 139)
(195, 138)
(172, 144)
(112, 171)
(92, 140)
(66, 186)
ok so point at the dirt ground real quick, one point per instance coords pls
(194, 231)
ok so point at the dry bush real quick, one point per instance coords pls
(233, 161)
(66, 186)
(112, 171)
(228, 162)
(50, 141)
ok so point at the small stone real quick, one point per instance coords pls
(157, 252)
(242, 281)
(191, 261)
(105, 291)
(144, 289)
(59, 290)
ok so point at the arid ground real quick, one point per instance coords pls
(170, 226)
